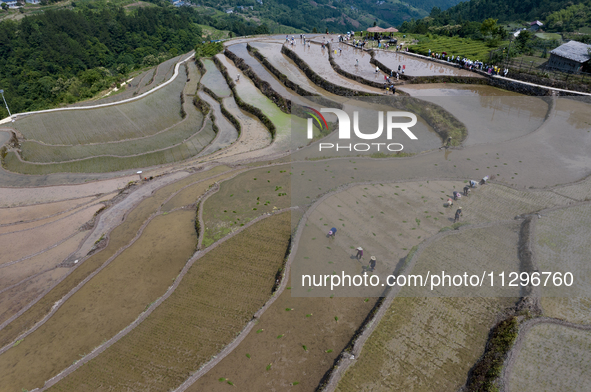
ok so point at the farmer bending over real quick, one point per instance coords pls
(458, 214)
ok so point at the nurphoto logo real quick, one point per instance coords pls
(392, 120)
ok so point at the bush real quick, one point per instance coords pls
(209, 49)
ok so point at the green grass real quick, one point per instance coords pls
(464, 47)
(212, 33)
(549, 36)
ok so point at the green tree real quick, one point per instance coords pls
(489, 27)
(522, 39)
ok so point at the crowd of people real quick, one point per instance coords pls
(469, 64)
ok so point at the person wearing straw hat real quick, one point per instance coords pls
(332, 232)
(458, 214)
(359, 254)
(372, 263)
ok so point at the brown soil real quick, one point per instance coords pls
(106, 304)
(14, 197)
(18, 245)
(24, 227)
(16, 298)
(39, 211)
(214, 301)
(119, 237)
(290, 362)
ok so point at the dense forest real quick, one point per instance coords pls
(65, 55)
(557, 15)
(322, 15)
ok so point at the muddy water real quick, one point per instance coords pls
(273, 53)
(346, 57)
(214, 80)
(490, 114)
(317, 59)
(418, 67)
(251, 94)
(241, 51)
(226, 135)
(572, 144)
(4, 138)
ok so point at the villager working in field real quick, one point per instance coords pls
(466, 190)
(450, 202)
(359, 254)
(372, 263)
(457, 195)
(472, 184)
(332, 232)
(484, 180)
(458, 214)
(238, 77)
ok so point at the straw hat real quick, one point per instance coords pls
(460, 208)
(372, 258)
(360, 248)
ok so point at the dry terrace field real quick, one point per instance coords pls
(106, 304)
(553, 358)
(213, 302)
(118, 238)
(450, 331)
(562, 245)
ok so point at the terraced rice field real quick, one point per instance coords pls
(226, 134)
(317, 59)
(18, 245)
(451, 330)
(249, 93)
(142, 310)
(272, 52)
(297, 356)
(244, 198)
(176, 134)
(114, 123)
(214, 80)
(198, 319)
(18, 197)
(463, 47)
(185, 150)
(106, 304)
(562, 245)
(118, 238)
(176, 142)
(418, 67)
(552, 357)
